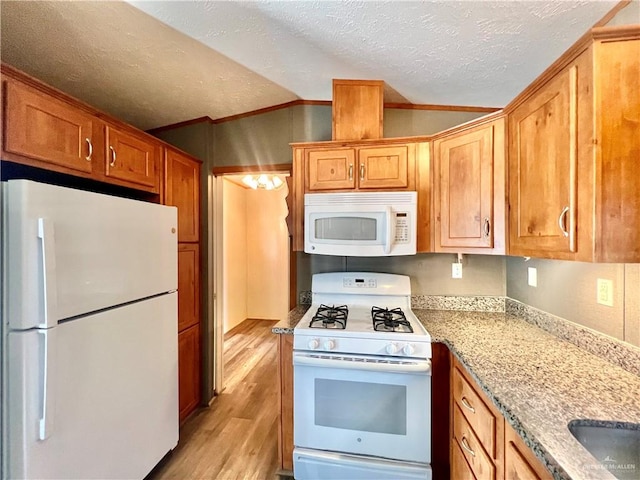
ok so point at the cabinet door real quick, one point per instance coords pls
(331, 169)
(383, 167)
(188, 285)
(43, 128)
(519, 461)
(542, 169)
(183, 191)
(188, 370)
(464, 172)
(132, 159)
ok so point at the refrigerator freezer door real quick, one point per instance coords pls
(72, 252)
(113, 394)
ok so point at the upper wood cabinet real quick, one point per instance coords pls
(331, 169)
(131, 158)
(469, 190)
(375, 168)
(357, 109)
(384, 167)
(182, 189)
(574, 174)
(46, 129)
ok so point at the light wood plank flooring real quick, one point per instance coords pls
(236, 438)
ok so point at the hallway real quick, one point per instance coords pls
(236, 438)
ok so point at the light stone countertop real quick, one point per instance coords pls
(538, 381)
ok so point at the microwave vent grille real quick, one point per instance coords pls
(373, 198)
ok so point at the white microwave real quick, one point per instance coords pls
(360, 224)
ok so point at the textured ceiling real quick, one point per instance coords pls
(217, 58)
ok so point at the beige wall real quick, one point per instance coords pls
(267, 254)
(234, 264)
(430, 272)
(568, 290)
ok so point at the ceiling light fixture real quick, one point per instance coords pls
(263, 181)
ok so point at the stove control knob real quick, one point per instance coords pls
(391, 348)
(329, 345)
(408, 349)
(313, 344)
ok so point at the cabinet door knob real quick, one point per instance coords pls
(562, 221)
(113, 156)
(90, 146)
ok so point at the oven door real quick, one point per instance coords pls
(375, 406)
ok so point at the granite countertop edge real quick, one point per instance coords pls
(536, 380)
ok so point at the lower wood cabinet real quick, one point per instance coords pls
(285, 428)
(482, 444)
(519, 461)
(188, 370)
(478, 427)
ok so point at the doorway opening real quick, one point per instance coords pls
(251, 254)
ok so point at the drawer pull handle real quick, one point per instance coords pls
(467, 405)
(351, 171)
(466, 446)
(362, 171)
(88, 157)
(487, 227)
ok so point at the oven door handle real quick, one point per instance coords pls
(356, 363)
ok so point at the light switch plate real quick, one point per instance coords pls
(532, 276)
(604, 294)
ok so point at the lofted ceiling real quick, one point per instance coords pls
(157, 63)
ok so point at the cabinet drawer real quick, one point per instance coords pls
(480, 417)
(478, 460)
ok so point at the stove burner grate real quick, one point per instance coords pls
(330, 317)
(390, 320)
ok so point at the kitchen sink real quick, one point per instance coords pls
(615, 445)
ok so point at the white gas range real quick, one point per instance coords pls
(362, 381)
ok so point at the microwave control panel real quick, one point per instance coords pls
(402, 227)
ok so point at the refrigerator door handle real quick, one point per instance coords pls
(47, 237)
(47, 399)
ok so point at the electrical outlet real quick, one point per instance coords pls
(532, 276)
(456, 270)
(604, 295)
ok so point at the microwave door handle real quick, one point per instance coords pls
(388, 230)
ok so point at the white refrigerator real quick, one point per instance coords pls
(89, 333)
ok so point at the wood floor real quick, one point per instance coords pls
(236, 438)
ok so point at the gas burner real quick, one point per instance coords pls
(330, 317)
(390, 320)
